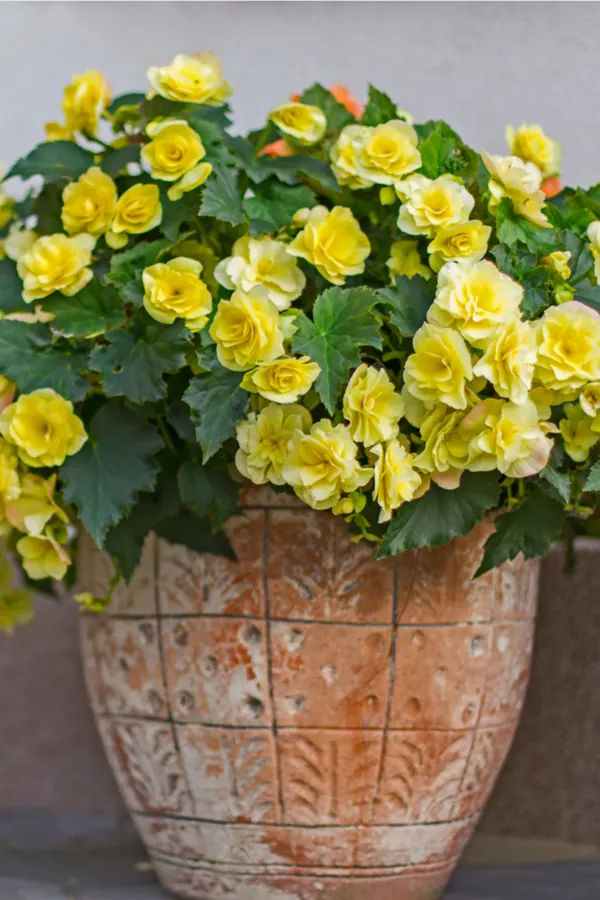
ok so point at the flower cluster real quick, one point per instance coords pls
(344, 304)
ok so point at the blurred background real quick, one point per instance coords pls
(477, 65)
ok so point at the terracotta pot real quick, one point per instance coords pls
(308, 724)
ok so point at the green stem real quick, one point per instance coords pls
(165, 434)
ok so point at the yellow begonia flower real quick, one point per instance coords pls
(428, 205)
(305, 124)
(396, 481)
(322, 465)
(138, 210)
(371, 406)
(465, 240)
(43, 557)
(590, 399)
(593, 234)
(530, 144)
(283, 380)
(175, 290)
(16, 606)
(265, 262)
(10, 485)
(521, 181)
(35, 506)
(439, 368)
(509, 437)
(558, 262)
(7, 204)
(405, 259)
(386, 153)
(84, 100)
(56, 263)
(568, 339)
(509, 360)
(43, 428)
(475, 298)
(247, 330)
(18, 241)
(577, 433)
(333, 242)
(174, 149)
(56, 132)
(7, 392)
(89, 203)
(191, 79)
(446, 453)
(190, 181)
(343, 157)
(264, 440)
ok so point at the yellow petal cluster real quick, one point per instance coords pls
(446, 452)
(43, 557)
(465, 240)
(530, 144)
(579, 432)
(521, 181)
(10, 484)
(89, 203)
(175, 290)
(558, 262)
(247, 330)
(322, 465)
(509, 360)
(343, 157)
(590, 398)
(405, 259)
(304, 123)
(18, 241)
(428, 205)
(568, 342)
(333, 242)
(56, 263)
(138, 210)
(372, 407)
(84, 101)
(43, 428)
(174, 149)
(284, 380)
(395, 479)
(264, 439)
(191, 79)
(265, 262)
(35, 505)
(593, 234)
(7, 205)
(439, 368)
(386, 153)
(509, 437)
(190, 181)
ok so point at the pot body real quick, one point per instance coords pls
(307, 724)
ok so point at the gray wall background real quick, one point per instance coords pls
(479, 65)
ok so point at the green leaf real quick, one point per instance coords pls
(379, 109)
(588, 294)
(558, 481)
(535, 283)
(115, 464)
(208, 490)
(53, 160)
(94, 310)
(592, 482)
(29, 357)
(407, 303)
(336, 113)
(440, 515)
(177, 212)
(581, 261)
(222, 198)
(131, 99)
(195, 533)
(275, 203)
(530, 529)
(512, 229)
(217, 402)
(343, 321)
(135, 361)
(126, 269)
(116, 160)
(11, 288)
(48, 208)
(441, 152)
(125, 541)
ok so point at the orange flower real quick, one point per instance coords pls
(552, 186)
(343, 95)
(277, 148)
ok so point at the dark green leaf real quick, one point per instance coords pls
(131, 99)
(11, 288)
(135, 361)
(222, 198)
(407, 303)
(29, 357)
(440, 515)
(178, 212)
(48, 208)
(53, 160)
(115, 464)
(530, 529)
(125, 541)
(558, 481)
(379, 109)
(126, 269)
(195, 533)
(513, 229)
(208, 490)
(179, 418)
(116, 160)
(276, 203)
(535, 283)
(592, 482)
(588, 294)
(439, 151)
(343, 321)
(213, 138)
(95, 309)
(217, 402)
(581, 261)
(336, 113)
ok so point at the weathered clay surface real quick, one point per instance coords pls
(307, 724)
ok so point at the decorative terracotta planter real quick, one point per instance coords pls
(308, 724)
